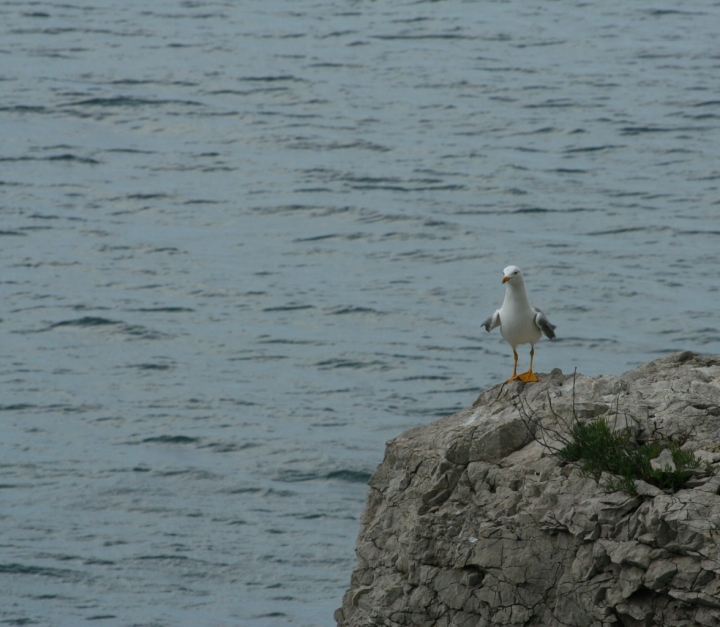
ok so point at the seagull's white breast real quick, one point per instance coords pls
(517, 318)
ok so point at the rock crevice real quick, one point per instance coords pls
(470, 521)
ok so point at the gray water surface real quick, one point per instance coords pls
(246, 243)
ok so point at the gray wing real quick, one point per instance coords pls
(543, 323)
(492, 321)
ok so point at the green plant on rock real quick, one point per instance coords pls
(618, 457)
(599, 449)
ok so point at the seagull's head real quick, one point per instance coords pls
(512, 274)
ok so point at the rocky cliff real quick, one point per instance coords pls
(470, 521)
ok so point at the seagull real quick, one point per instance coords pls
(519, 322)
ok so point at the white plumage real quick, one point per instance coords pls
(519, 322)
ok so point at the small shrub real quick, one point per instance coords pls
(598, 449)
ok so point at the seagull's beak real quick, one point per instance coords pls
(505, 279)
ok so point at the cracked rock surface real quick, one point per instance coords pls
(470, 522)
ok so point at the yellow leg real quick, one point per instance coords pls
(529, 376)
(515, 374)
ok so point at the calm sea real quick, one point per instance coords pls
(244, 244)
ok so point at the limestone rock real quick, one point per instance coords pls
(470, 522)
(664, 461)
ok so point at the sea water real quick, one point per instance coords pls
(244, 244)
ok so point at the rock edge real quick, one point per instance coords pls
(469, 522)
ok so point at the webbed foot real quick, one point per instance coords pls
(528, 377)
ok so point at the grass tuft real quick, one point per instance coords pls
(618, 457)
(598, 449)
